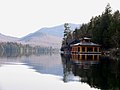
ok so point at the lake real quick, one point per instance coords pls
(59, 72)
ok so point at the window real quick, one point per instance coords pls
(89, 49)
(83, 49)
(95, 49)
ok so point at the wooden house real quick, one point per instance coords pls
(85, 46)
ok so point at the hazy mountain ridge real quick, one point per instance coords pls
(43, 40)
(57, 30)
(45, 37)
(5, 38)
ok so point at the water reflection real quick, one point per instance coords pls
(45, 63)
(13, 54)
(97, 71)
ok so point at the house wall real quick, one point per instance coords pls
(86, 49)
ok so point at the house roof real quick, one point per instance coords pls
(85, 44)
(87, 38)
(81, 43)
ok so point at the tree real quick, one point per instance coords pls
(66, 29)
(67, 34)
(104, 29)
(115, 30)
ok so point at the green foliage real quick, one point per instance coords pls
(103, 29)
(67, 35)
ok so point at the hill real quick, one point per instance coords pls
(48, 37)
(45, 37)
(4, 38)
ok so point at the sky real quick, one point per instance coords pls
(21, 17)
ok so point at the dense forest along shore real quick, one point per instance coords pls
(103, 29)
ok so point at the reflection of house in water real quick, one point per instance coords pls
(97, 71)
(85, 58)
(84, 61)
(79, 65)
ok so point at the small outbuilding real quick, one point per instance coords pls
(85, 46)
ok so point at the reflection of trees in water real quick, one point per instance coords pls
(103, 75)
(11, 54)
(66, 66)
(10, 49)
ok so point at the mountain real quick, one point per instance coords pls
(45, 37)
(58, 30)
(42, 39)
(48, 37)
(4, 38)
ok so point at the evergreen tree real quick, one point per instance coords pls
(115, 30)
(67, 34)
(103, 29)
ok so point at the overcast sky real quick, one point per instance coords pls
(20, 17)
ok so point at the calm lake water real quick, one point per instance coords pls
(59, 72)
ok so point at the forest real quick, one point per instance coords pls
(103, 29)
